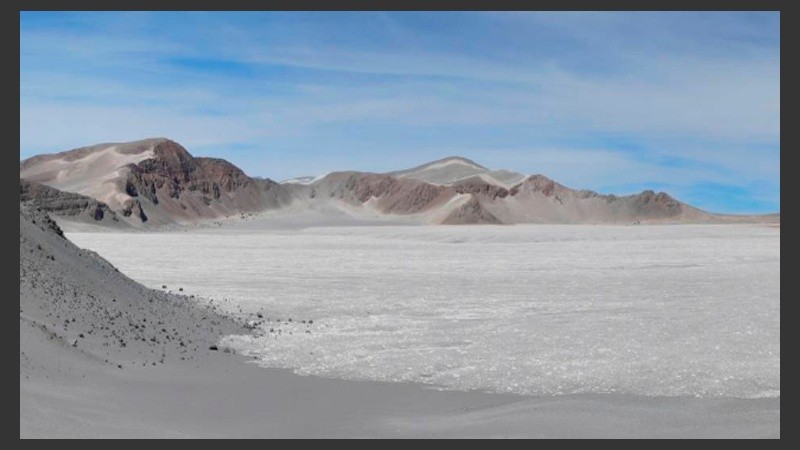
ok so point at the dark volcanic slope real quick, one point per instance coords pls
(74, 299)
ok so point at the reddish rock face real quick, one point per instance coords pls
(222, 173)
(481, 188)
(188, 188)
(174, 172)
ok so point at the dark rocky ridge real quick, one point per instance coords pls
(65, 204)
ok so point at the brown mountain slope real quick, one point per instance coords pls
(155, 182)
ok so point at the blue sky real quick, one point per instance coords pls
(688, 103)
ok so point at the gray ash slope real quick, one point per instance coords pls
(74, 304)
(156, 182)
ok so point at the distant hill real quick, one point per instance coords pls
(157, 181)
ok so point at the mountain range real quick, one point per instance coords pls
(155, 182)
